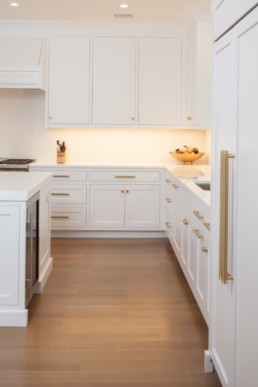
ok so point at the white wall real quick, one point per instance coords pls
(23, 134)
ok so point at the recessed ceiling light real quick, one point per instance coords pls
(123, 5)
(14, 4)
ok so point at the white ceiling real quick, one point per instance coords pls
(96, 10)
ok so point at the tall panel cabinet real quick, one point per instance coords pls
(234, 315)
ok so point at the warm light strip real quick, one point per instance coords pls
(123, 6)
(14, 4)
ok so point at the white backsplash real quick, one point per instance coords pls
(23, 134)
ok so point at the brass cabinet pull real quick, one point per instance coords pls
(60, 217)
(186, 222)
(127, 191)
(168, 200)
(61, 176)
(125, 177)
(224, 276)
(168, 225)
(197, 233)
(60, 194)
(207, 225)
(175, 186)
(122, 191)
(167, 181)
(205, 249)
(197, 214)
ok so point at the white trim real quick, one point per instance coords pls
(14, 318)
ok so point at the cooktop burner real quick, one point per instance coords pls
(16, 161)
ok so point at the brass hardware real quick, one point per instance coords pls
(127, 191)
(197, 233)
(133, 118)
(60, 194)
(224, 276)
(207, 225)
(125, 177)
(60, 217)
(205, 249)
(168, 225)
(167, 181)
(185, 222)
(175, 186)
(168, 200)
(61, 176)
(197, 214)
(189, 118)
(122, 191)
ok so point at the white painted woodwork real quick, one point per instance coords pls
(107, 206)
(64, 217)
(198, 75)
(69, 81)
(233, 335)
(114, 81)
(10, 255)
(228, 12)
(160, 81)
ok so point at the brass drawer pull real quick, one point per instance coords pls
(197, 233)
(175, 186)
(168, 225)
(60, 194)
(125, 177)
(185, 222)
(207, 225)
(168, 200)
(60, 217)
(197, 214)
(205, 249)
(61, 176)
(167, 181)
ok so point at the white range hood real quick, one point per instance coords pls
(22, 63)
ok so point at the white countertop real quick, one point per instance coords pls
(21, 186)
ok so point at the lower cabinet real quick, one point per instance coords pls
(125, 206)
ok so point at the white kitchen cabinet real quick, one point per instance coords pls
(198, 76)
(9, 254)
(114, 81)
(228, 12)
(69, 81)
(129, 206)
(160, 81)
(234, 317)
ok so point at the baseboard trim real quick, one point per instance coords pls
(13, 318)
(108, 234)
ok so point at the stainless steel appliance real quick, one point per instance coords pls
(32, 246)
(9, 165)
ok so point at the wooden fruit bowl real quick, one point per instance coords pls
(187, 158)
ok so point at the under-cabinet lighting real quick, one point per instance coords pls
(123, 5)
(14, 4)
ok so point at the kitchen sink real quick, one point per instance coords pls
(205, 185)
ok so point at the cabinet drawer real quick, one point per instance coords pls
(68, 218)
(63, 174)
(69, 193)
(125, 176)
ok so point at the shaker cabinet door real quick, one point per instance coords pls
(69, 84)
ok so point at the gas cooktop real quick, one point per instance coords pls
(16, 161)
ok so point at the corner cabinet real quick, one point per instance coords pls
(114, 81)
(69, 81)
(160, 81)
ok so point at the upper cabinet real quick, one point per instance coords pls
(114, 81)
(198, 76)
(228, 12)
(160, 81)
(69, 81)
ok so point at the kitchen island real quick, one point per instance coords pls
(18, 190)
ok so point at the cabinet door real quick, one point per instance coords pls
(114, 81)
(223, 325)
(142, 206)
(68, 95)
(227, 12)
(160, 81)
(9, 255)
(107, 206)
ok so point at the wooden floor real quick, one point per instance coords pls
(114, 313)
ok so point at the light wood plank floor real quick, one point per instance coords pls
(114, 313)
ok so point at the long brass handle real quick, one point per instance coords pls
(224, 276)
(125, 177)
(197, 233)
(60, 194)
(60, 217)
(61, 176)
(197, 214)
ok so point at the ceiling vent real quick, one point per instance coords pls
(123, 16)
